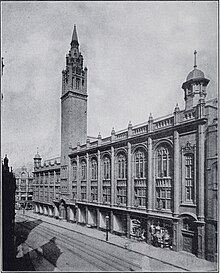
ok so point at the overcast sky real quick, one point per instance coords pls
(138, 55)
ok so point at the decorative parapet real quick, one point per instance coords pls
(163, 122)
(151, 126)
(188, 115)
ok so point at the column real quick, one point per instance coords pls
(176, 181)
(54, 184)
(129, 180)
(150, 176)
(98, 218)
(200, 171)
(128, 226)
(43, 187)
(87, 179)
(111, 221)
(86, 215)
(112, 177)
(99, 179)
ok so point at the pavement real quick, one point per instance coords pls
(183, 261)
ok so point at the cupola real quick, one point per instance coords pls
(195, 86)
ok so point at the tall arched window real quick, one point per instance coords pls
(163, 178)
(163, 163)
(74, 182)
(94, 182)
(83, 170)
(121, 180)
(140, 178)
(74, 171)
(107, 168)
(106, 183)
(139, 164)
(94, 167)
(122, 172)
(83, 180)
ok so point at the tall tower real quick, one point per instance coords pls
(194, 87)
(73, 106)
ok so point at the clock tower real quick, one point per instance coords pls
(73, 107)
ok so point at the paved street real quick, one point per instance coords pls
(47, 244)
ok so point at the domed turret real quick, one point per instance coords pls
(37, 160)
(195, 86)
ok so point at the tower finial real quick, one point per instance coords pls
(195, 52)
(74, 36)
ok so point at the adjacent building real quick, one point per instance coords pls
(156, 181)
(24, 188)
(8, 217)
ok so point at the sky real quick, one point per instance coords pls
(138, 55)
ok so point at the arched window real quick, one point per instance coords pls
(163, 162)
(140, 178)
(106, 168)
(139, 164)
(163, 178)
(94, 169)
(83, 170)
(74, 171)
(106, 184)
(122, 172)
(121, 180)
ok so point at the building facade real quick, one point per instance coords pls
(156, 181)
(24, 188)
(8, 217)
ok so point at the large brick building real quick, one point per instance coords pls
(156, 181)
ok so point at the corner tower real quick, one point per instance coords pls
(73, 105)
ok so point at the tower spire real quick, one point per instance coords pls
(74, 37)
(195, 52)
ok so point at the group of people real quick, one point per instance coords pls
(160, 236)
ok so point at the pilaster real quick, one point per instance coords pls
(176, 235)
(129, 182)
(87, 178)
(99, 178)
(150, 176)
(201, 171)
(78, 179)
(201, 239)
(112, 176)
(176, 183)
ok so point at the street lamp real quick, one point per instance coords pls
(107, 226)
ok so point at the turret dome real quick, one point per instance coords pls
(195, 74)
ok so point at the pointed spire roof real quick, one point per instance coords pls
(74, 36)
